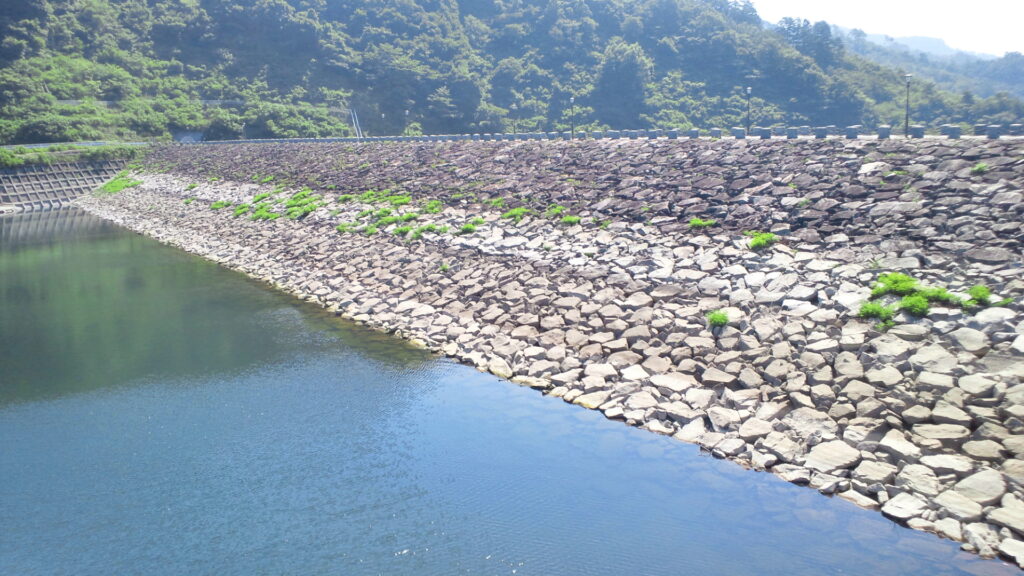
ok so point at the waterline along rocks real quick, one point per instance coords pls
(589, 270)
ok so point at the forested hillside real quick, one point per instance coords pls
(88, 69)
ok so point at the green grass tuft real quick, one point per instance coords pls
(516, 214)
(698, 223)
(717, 318)
(220, 204)
(762, 240)
(915, 305)
(894, 283)
(571, 220)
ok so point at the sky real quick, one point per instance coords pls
(986, 26)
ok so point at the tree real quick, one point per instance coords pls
(619, 94)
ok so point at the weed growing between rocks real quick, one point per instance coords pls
(191, 186)
(433, 207)
(700, 223)
(554, 211)
(915, 305)
(241, 209)
(570, 220)
(979, 168)
(516, 214)
(302, 203)
(189, 200)
(120, 182)
(717, 318)
(220, 204)
(878, 312)
(761, 240)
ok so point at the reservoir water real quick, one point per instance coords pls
(161, 415)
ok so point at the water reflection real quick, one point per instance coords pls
(84, 304)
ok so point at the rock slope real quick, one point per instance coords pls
(467, 248)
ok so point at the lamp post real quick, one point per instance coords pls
(382, 124)
(906, 115)
(405, 124)
(572, 118)
(748, 109)
(514, 110)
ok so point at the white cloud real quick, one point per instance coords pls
(987, 26)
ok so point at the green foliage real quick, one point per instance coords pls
(370, 230)
(516, 214)
(346, 227)
(262, 211)
(444, 267)
(191, 186)
(302, 203)
(554, 211)
(241, 210)
(402, 230)
(433, 207)
(189, 200)
(942, 296)
(571, 220)
(477, 221)
(915, 304)
(762, 240)
(496, 202)
(980, 294)
(979, 168)
(345, 198)
(467, 228)
(120, 182)
(879, 312)
(261, 197)
(433, 228)
(717, 318)
(895, 283)
(698, 223)
(131, 69)
(220, 204)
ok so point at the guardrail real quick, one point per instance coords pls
(950, 131)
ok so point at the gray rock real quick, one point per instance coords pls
(806, 422)
(905, 506)
(896, 444)
(983, 487)
(874, 472)
(959, 506)
(887, 376)
(830, 456)
(779, 444)
(1010, 514)
(754, 428)
(918, 478)
(949, 464)
(976, 385)
(971, 340)
(674, 381)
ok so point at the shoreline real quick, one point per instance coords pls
(915, 420)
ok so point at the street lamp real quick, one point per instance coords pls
(381, 123)
(906, 115)
(514, 109)
(572, 121)
(748, 108)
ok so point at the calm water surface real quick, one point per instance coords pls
(159, 415)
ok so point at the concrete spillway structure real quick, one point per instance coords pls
(43, 187)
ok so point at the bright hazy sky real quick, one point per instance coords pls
(986, 26)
